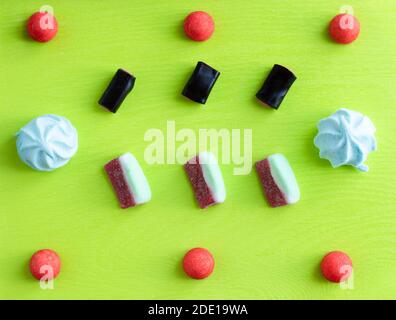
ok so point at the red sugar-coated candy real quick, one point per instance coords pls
(272, 192)
(344, 28)
(199, 26)
(201, 189)
(198, 263)
(42, 26)
(45, 264)
(336, 266)
(119, 182)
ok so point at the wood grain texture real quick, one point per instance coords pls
(260, 252)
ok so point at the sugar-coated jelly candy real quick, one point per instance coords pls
(45, 264)
(199, 26)
(278, 180)
(206, 179)
(42, 26)
(336, 266)
(128, 180)
(344, 28)
(198, 263)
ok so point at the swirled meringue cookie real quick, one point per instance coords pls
(346, 138)
(47, 142)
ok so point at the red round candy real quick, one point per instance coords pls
(344, 28)
(198, 263)
(45, 263)
(42, 26)
(199, 26)
(336, 266)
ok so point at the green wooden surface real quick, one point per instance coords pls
(261, 253)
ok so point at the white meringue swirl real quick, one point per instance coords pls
(47, 142)
(346, 138)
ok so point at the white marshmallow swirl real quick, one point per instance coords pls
(47, 142)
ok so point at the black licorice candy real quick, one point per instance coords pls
(276, 86)
(119, 87)
(200, 83)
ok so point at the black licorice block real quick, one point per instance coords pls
(119, 87)
(276, 86)
(200, 83)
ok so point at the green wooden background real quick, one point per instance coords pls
(260, 252)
